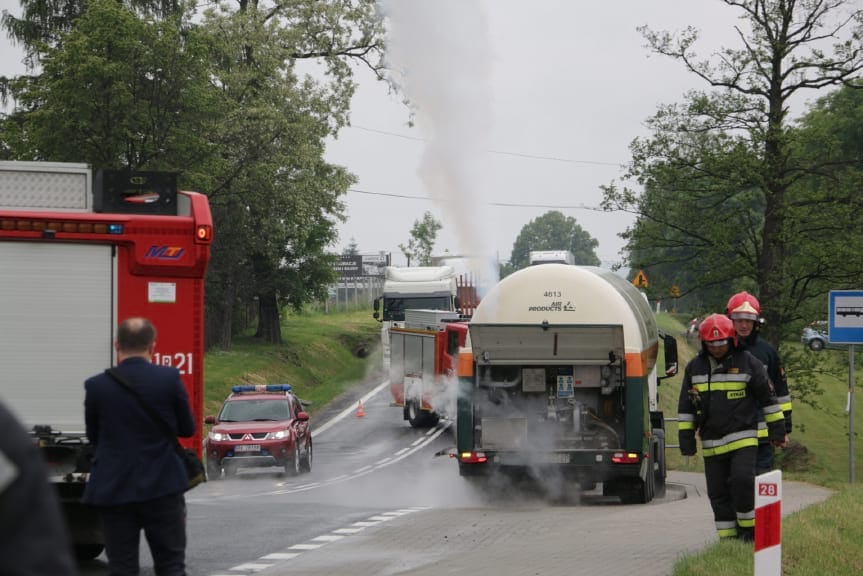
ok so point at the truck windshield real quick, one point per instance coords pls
(394, 308)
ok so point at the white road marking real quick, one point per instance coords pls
(327, 538)
(316, 432)
(319, 541)
(251, 567)
(305, 546)
(348, 530)
(280, 556)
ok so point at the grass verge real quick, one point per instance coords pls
(322, 355)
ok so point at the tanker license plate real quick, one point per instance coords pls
(248, 448)
(555, 458)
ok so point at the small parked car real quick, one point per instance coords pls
(815, 336)
(259, 426)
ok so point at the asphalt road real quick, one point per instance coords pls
(383, 498)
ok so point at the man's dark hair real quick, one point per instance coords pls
(135, 335)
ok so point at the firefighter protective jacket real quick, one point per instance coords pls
(768, 355)
(722, 402)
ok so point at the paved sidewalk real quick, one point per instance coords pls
(595, 540)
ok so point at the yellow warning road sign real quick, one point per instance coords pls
(640, 280)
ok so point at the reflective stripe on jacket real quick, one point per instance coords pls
(722, 401)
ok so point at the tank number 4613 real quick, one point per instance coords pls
(552, 294)
(181, 361)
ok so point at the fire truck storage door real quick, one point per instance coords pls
(56, 328)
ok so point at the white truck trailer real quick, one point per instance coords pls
(416, 288)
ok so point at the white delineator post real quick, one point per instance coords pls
(768, 524)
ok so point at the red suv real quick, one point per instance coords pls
(263, 425)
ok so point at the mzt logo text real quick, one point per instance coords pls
(165, 252)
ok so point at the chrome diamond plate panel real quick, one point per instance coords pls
(45, 186)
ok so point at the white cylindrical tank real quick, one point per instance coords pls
(563, 294)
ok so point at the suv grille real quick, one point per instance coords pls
(254, 435)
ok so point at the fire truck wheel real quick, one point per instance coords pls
(415, 416)
(432, 418)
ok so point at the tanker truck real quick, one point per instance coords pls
(558, 377)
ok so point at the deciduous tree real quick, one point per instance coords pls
(423, 235)
(552, 231)
(719, 176)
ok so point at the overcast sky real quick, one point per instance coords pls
(523, 107)
(553, 92)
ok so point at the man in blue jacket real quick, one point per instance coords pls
(137, 479)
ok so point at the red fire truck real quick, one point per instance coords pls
(424, 353)
(79, 252)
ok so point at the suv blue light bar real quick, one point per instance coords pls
(262, 388)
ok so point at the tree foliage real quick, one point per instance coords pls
(552, 231)
(724, 193)
(423, 236)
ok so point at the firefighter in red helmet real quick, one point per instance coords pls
(723, 392)
(745, 311)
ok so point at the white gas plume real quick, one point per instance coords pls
(440, 54)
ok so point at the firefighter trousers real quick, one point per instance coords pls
(731, 489)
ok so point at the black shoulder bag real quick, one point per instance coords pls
(193, 464)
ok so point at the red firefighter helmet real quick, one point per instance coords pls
(743, 306)
(716, 328)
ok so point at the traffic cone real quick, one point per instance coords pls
(360, 412)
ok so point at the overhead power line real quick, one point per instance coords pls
(500, 204)
(501, 152)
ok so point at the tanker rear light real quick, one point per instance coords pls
(473, 457)
(49, 228)
(626, 458)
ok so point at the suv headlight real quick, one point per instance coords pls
(218, 436)
(278, 435)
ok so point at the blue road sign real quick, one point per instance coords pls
(846, 317)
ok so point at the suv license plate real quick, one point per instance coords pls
(248, 448)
